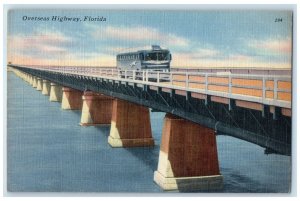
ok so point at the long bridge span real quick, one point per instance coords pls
(198, 105)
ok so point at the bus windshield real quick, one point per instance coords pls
(156, 56)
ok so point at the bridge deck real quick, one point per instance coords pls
(274, 90)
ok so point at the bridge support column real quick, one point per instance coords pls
(46, 88)
(31, 80)
(34, 82)
(55, 92)
(71, 99)
(39, 85)
(26, 77)
(96, 109)
(22, 75)
(130, 125)
(188, 159)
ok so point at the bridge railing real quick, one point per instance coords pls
(237, 70)
(259, 88)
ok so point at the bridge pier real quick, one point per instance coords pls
(39, 85)
(31, 80)
(130, 125)
(27, 77)
(55, 92)
(188, 159)
(71, 99)
(34, 82)
(46, 88)
(96, 109)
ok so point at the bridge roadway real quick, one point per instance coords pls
(255, 108)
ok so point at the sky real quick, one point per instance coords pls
(204, 38)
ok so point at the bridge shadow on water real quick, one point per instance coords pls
(147, 155)
(245, 183)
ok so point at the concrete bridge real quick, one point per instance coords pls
(198, 105)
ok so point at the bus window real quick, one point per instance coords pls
(160, 56)
(151, 56)
(141, 56)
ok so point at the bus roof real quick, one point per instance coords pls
(143, 49)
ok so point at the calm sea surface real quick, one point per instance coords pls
(47, 151)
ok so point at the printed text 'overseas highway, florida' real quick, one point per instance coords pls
(65, 18)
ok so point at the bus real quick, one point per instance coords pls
(153, 59)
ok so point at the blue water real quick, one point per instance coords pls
(47, 151)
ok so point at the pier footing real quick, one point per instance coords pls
(188, 159)
(130, 125)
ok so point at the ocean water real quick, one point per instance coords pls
(48, 151)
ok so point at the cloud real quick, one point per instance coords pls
(72, 59)
(41, 47)
(44, 47)
(139, 34)
(223, 60)
(202, 53)
(39, 44)
(52, 49)
(267, 54)
(240, 58)
(51, 36)
(272, 46)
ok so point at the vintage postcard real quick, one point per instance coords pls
(149, 100)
